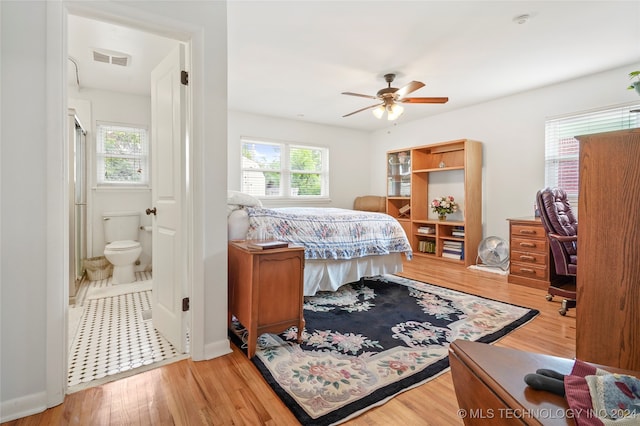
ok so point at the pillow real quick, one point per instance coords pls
(242, 199)
(237, 225)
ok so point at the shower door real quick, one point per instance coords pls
(78, 202)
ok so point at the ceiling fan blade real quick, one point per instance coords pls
(362, 109)
(358, 94)
(424, 100)
(408, 88)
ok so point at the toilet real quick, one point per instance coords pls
(123, 248)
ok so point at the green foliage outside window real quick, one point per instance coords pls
(304, 172)
(306, 160)
(122, 149)
(122, 155)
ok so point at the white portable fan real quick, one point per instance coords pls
(494, 253)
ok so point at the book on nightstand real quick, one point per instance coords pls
(267, 244)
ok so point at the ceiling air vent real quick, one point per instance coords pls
(120, 60)
(99, 57)
(111, 57)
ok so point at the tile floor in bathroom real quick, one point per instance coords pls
(111, 332)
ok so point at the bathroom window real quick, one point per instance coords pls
(122, 155)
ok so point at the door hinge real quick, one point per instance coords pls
(184, 78)
(185, 304)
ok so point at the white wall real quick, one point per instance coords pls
(119, 108)
(512, 132)
(33, 169)
(23, 216)
(348, 152)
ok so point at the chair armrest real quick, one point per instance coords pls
(370, 203)
(563, 238)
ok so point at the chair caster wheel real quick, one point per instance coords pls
(565, 307)
(549, 297)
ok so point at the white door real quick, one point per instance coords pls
(168, 144)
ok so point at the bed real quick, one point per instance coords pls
(341, 245)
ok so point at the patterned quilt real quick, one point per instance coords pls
(330, 233)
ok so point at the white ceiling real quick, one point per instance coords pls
(292, 59)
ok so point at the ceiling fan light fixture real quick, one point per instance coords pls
(379, 111)
(390, 96)
(394, 111)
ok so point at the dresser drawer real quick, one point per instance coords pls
(529, 257)
(530, 271)
(528, 231)
(529, 244)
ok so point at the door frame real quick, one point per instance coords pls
(57, 271)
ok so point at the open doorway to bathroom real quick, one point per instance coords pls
(111, 333)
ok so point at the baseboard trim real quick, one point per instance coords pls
(217, 349)
(23, 406)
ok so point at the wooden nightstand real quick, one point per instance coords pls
(266, 289)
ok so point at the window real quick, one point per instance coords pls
(562, 148)
(122, 155)
(284, 170)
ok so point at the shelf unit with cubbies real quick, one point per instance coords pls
(399, 187)
(459, 161)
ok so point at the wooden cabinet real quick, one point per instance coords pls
(608, 278)
(419, 174)
(265, 289)
(531, 262)
(490, 387)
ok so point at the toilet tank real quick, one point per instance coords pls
(120, 226)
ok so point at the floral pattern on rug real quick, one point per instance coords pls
(358, 348)
(347, 298)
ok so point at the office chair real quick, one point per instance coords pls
(561, 227)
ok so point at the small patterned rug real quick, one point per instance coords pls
(115, 337)
(372, 340)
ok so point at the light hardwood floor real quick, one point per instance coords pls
(229, 390)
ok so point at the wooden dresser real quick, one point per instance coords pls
(531, 262)
(266, 289)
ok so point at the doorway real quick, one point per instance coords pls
(113, 333)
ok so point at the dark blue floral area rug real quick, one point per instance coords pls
(372, 340)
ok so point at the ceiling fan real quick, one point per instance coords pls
(392, 96)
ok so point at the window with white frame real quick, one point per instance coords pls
(122, 155)
(562, 148)
(273, 169)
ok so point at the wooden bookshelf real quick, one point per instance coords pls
(411, 173)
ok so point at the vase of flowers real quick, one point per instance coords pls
(444, 206)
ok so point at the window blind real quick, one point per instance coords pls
(280, 169)
(122, 155)
(562, 148)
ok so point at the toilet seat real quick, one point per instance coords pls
(122, 245)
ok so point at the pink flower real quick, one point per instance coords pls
(397, 365)
(317, 370)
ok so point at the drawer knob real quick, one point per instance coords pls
(527, 245)
(527, 270)
(528, 231)
(530, 258)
